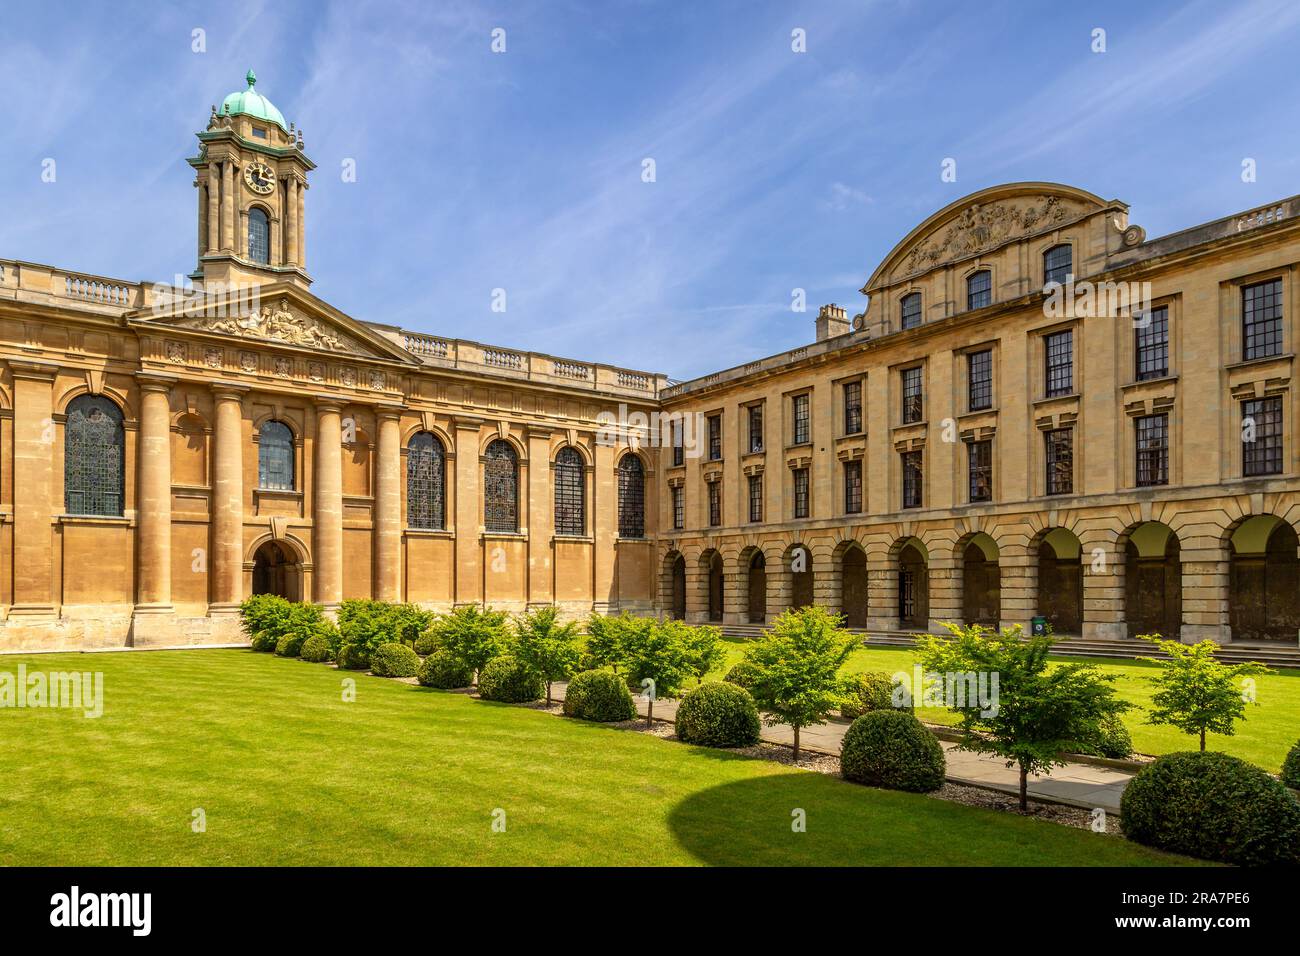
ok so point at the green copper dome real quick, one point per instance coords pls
(254, 104)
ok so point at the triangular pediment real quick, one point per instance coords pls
(280, 315)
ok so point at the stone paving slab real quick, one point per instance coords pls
(1078, 784)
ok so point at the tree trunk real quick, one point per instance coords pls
(1202, 740)
(650, 711)
(548, 693)
(796, 743)
(1024, 788)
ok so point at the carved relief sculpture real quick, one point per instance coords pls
(981, 227)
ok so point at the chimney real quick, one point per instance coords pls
(831, 321)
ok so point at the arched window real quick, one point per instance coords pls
(426, 483)
(501, 487)
(979, 289)
(570, 493)
(1058, 264)
(910, 308)
(259, 236)
(631, 497)
(93, 457)
(275, 457)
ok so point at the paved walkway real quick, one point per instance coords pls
(1078, 784)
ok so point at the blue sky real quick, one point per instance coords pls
(522, 171)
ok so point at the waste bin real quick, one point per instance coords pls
(1038, 626)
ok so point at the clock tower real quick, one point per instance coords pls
(252, 182)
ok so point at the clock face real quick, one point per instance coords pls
(260, 178)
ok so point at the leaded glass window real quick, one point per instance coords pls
(715, 504)
(1058, 264)
(1151, 345)
(93, 457)
(1059, 347)
(853, 487)
(910, 308)
(1261, 436)
(1060, 461)
(852, 408)
(570, 493)
(755, 428)
(979, 289)
(801, 502)
(631, 497)
(913, 400)
(980, 469)
(802, 425)
(1261, 314)
(1152, 450)
(755, 497)
(501, 488)
(679, 507)
(275, 457)
(426, 483)
(259, 236)
(979, 380)
(913, 475)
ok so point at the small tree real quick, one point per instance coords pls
(704, 643)
(1036, 713)
(606, 635)
(547, 646)
(795, 669)
(1195, 692)
(660, 654)
(472, 634)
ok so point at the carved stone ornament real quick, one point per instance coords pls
(279, 325)
(981, 227)
(248, 361)
(316, 372)
(348, 377)
(376, 380)
(212, 357)
(282, 366)
(176, 352)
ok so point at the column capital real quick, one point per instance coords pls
(386, 413)
(328, 403)
(230, 391)
(155, 381)
(34, 370)
(468, 422)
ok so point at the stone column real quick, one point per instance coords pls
(1207, 578)
(604, 511)
(154, 497)
(388, 507)
(1103, 589)
(1018, 565)
(227, 562)
(541, 519)
(214, 208)
(33, 488)
(228, 206)
(468, 519)
(945, 588)
(882, 591)
(291, 215)
(201, 189)
(300, 221)
(327, 512)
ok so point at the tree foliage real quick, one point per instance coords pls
(1195, 692)
(547, 645)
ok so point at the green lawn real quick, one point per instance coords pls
(1264, 737)
(287, 773)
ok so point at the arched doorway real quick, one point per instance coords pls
(715, 586)
(801, 576)
(757, 588)
(679, 588)
(913, 588)
(1153, 582)
(853, 587)
(276, 571)
(981, 582)
(1264, 595)
(1060, 581)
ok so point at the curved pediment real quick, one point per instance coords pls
(983, 221)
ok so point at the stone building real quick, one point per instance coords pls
(1041, 413)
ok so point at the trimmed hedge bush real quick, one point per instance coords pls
(290, 645)
(426, 644)
(599, 696)
(1291, 768)
(264, 641)
(1213, 806)
(316, 649)
(353, 658)
(509, 681)
(718, 715)
(394, 660)
(863, 693)
(442, 670)
(1114, 740)
(742, 674)
(892, 749)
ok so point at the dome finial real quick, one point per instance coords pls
(251, 77)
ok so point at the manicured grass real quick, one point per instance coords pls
(288, 773)
(1264, 737)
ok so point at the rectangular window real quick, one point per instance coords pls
(1261, 319)
(755, 497)
(852, 408)
(912, 475)
(800, 492)
(980, 467)
(853, 487)
(1152, 450)
(715, 438)
(715, 504)
(755, 428)
(1261, 437)
(979, 380)
(801, 424)
(979, 289)
(911, 310)
(679, 507)
(913, 403)
(1151, 345)
(1059, 348)
(679, 449)
(1060, 461)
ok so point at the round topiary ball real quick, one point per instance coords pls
(742, 674)
(394, 660)
(507, 680)
(316, 649)
(873, 690)
(290, 645)
(353, 658)
(1212, 806)
(1114, 740)
(1291, 768)
(892, 749)
(441, 669)
(263, 641)
(599, 696)
(718, 715)
(426, 644)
